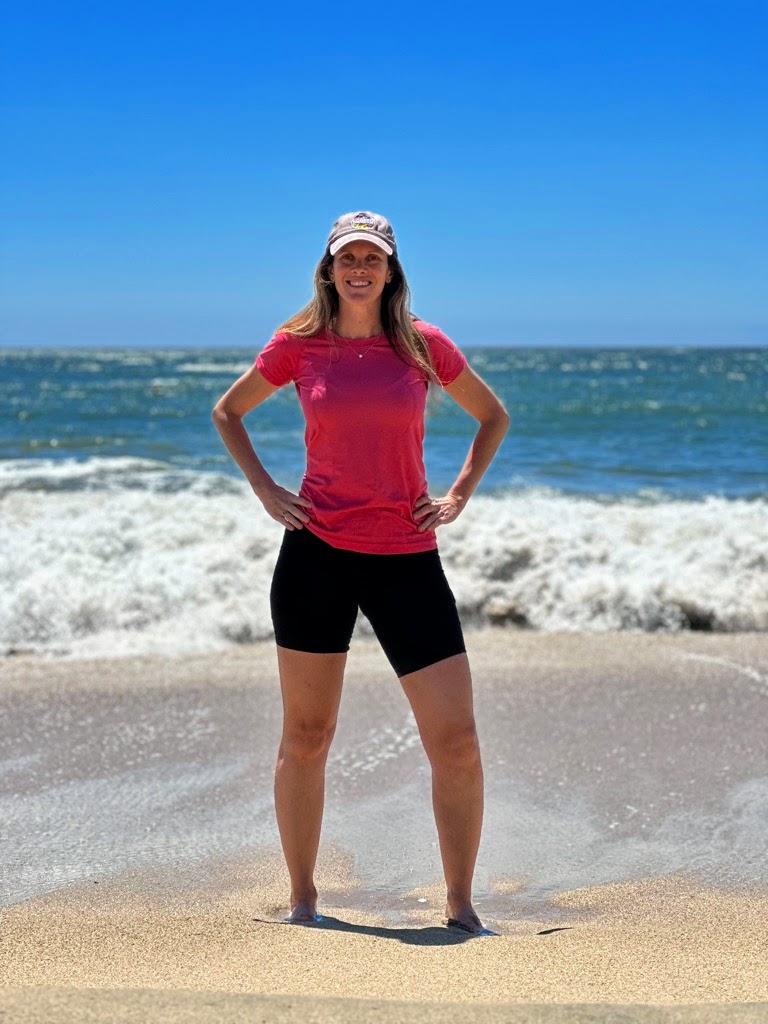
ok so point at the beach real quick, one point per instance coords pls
(622, 860)
(558, 343)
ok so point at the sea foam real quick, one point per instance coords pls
(128, 556)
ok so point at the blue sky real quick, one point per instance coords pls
(556, 173)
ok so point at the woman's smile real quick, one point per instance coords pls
(360, 269)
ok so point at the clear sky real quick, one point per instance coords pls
(556, 173)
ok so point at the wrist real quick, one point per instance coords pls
(262, 487)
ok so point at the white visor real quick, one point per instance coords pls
(360, 236)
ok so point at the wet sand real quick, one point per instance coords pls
(623, 855)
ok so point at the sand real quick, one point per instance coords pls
(623, 856)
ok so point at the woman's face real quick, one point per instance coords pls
(359, 272)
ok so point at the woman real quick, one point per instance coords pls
(361, 534)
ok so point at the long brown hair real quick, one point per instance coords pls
(397, 320)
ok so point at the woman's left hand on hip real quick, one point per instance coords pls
(430, 513)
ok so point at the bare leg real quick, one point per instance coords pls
(311, 690)
(441, 699)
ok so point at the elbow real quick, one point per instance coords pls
(500, 420)
(495, 422)
(220, 414)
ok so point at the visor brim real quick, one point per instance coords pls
(360, 236)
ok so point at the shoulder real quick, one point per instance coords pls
(278, 361)
(286, 339)
(448, 359)
(435, 336)
(428, 330)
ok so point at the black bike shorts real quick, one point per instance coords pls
(317, 590)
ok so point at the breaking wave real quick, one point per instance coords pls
(110, 557)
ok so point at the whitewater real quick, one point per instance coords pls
(125, 556)
(630, 494)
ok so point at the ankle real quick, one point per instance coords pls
(306, 895)
(459, 897)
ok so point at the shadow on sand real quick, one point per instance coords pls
(431, 936)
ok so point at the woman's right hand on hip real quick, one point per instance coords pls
(286, 508)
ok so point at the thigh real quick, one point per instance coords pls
(312, 599)
(310, 685)
(442, 703)
(412, 610)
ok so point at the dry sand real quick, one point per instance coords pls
(623, 859)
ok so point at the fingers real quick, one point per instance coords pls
(425, 504)
(288, 509)
(430, 524)
(294, 503)
(434, 512)
(290, 521)
(293, 518)
(297, 513)
(430, 517)
(427, 518)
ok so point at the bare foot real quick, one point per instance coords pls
(466, 920)
(303, 911)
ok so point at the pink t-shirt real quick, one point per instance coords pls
(364, 434)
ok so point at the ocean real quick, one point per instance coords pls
(630, 494)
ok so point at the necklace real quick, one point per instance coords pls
(352, 348)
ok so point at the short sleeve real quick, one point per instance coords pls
(448, 359)
(278, 361)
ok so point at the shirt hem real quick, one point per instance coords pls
(360, 547)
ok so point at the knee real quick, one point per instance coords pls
(455, 748)
(306, 741)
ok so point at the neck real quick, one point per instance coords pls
(357, 323)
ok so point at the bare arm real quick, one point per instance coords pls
(475, 397)
(245, 394)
